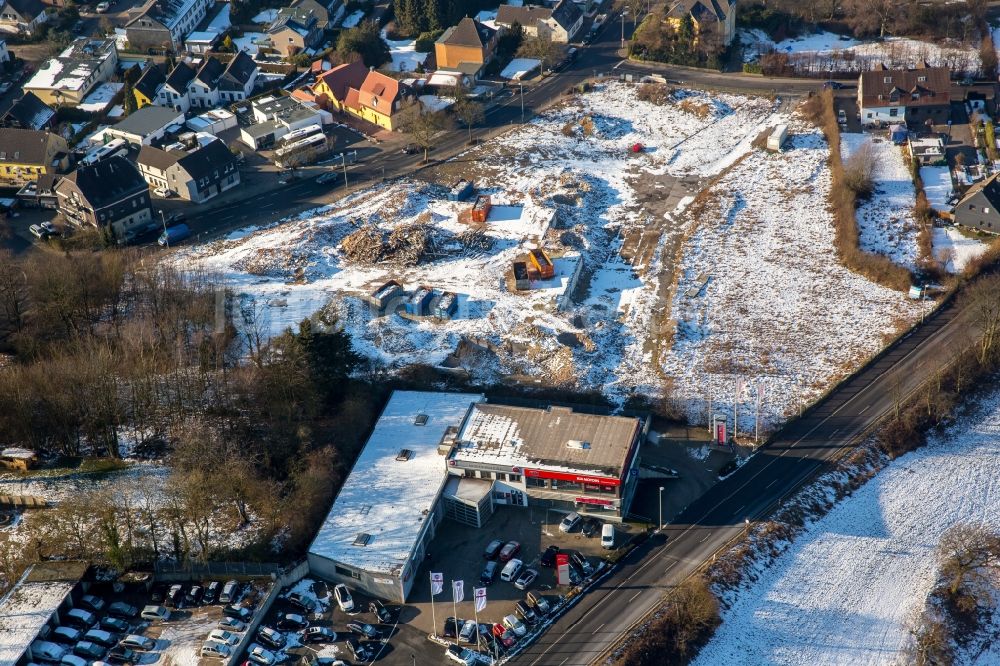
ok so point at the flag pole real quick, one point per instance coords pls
(434, 627)
(454, 602)
(475, 610)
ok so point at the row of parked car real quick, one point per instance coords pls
(499, 637)
(93, 632)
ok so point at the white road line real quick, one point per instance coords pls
(599, 628)
(770, 484)
(634, 596)
(563, 661)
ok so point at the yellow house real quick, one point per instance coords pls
(27, 154)
(332, 86)
(382, 100)
(708, 16)
(469, 42)
(148, 85)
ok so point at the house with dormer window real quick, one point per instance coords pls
(913, 95)
(382, 100)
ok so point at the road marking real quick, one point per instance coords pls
(563, 661)
(634, 596)
(599, 628)
(770, 484)
(865, 409)
(834, 433)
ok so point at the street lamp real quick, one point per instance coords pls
(522, 101)
(661, 507)
(624, 14)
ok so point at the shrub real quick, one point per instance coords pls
(425, 42)
(688, 619)
(654, 93)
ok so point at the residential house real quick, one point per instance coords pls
(467, 46)
(912, 95)
(40, 193)
(558, 24)
(143, 127)
(327, 13)
(276, 116)
(174, 91)
(22, 16)
(196, 173)
(203, 91)
(27, 154)
(148, 86)
(4, 52)
(382, 100)
(980, 207)
(712, 20)
(67, 78)
(293, 31)
(110, 194)
(238, 80)
(202, 41)
(29, 112)
(162, 25)
(928, 150)
(330, 89)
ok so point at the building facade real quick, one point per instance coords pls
(978, 208)
(196, 173)
(27, 154)
(70, 76)
(108, 195)
(163, 24)
(22, 16)
(468, 43)
(382, 100)
(914, 96)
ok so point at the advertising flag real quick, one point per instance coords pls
(458, 590)
(480, 595)
(437, 583)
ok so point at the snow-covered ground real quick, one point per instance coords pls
(885, 221)
(846, 588)
(954, 249)
(405, 57)
(100, 97)
(435, 103)
(248, 42)
(352, 19)
(221, 21)
(779, 313)
(937, 186)
(266, 16)
(823, 51)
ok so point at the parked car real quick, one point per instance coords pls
(301, 601)
(510, 549)
(211, 592)
(141, 643)
(365, 629)
(223, 636)
(511, 570)
(506, 637)
(89, 650)
(344, 599)
(237, 612)
(230, 592)
(48, 651)
(327, 177)
(589, 528)
(549, 556)
(122, 655)
(526, 579)
(79, 618)
(259, 655)
(292, 622)
(581, 562)
(271, 637)
(73, 660)
(159, 593)
(515, 625)
(154, 613)
(608, 536)
(525, 612)
(463, 655)
(493, 549)
(358, 650)
(5, 86)
(232, 624)
(193, 596)
(489, 573)
(88, 601)
(65, 635)
(103, 7)
(175, 596)
(163, 192)
(538, 602)
(123, 610)
(469, 632)
(380, 611)
(832, 85)
(319, 635)
(101, 637)
(51, 230)
(452, 626)
(114, 624)
(215, 650)
(842, 117)
(569, 522)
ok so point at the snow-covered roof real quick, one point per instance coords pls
(72, 69)
(518, 67)
(15, 452)
(387, 497)
(27, 607)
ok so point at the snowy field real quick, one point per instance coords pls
(352, 19)
(823, 51)
(954, 249)
(845, 590)
(405, 57)
(937, 186)
(778, 314)
(885, 221)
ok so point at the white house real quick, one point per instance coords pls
(173, 94)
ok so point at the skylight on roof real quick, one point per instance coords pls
(363, 539)
(420, 420)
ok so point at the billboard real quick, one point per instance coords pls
(575, 478)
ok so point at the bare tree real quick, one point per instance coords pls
(470, 112)
(423, 128)
(981, 298)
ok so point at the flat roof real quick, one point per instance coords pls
(147, 120)
(26, 608)
(554, 438)
(389, 499)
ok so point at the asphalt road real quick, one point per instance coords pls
(752, 492)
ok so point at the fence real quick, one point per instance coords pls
(167, 571)
(23, 500)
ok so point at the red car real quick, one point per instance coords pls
(508, 552)
(504, 635)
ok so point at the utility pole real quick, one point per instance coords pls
(344, 156)
(166, 237)
(624, 13)
(661, 507)
(522, 101)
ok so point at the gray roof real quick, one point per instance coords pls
(107, 181)
(180, 76)
(28, 112)
(23, 146)
(468, 32)
(151, 81)
(238, 72)
(527, 15)
(147, 120)
(566, 14)
(541, 436)
(27, 9)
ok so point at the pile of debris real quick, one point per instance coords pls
(405, 245)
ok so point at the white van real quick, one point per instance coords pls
(511, 570)
(47, 651)
(608, 536)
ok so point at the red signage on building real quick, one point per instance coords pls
(575, 478)
(593, 500)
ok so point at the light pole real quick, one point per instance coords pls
(624, 14)
(522, 101)
(166, 237)
(661, 507)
